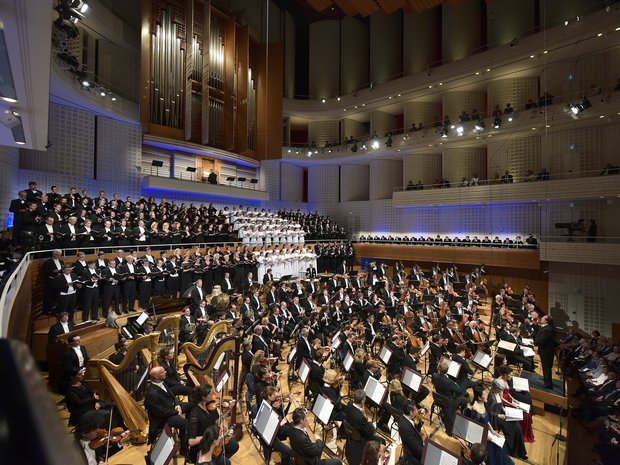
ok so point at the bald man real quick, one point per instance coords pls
(163, 407)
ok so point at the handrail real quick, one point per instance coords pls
(15, 279)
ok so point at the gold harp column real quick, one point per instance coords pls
(189, 64)
(229, 82)
(206, 40)
(243, 60)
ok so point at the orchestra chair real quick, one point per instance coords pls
(396, 414)
(351, 434)
(439, 403)
(250, 406)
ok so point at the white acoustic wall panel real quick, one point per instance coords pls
(72, 138)
(323, 184)
(9, 183)
(462, 162)
(421, 112)
(323, 132)
(354, 182)
(291, 182)
(421, 167)
(385, 175)
(516, 91)
(455, 102)
(517, 155)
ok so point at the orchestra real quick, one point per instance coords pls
(347, 336)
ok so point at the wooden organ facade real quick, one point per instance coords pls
(205, 79)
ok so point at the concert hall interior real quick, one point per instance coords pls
(310, 232)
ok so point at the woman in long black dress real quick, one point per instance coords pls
(512, 430)
(207, 276)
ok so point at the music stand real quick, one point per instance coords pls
(482, 361)
(469, 430)
(411, 378)
(157, 164)
(242, 179)
(191, 170)
(453, 369)
(385, 354)
(230, 179)
(221, 379)
(164, 449)
(336, 341)
(435, 454)
(348, 361)
(303, 371)
(253, 182)
(375, 391)
(267, 423)
(323, 408)
(291, 355)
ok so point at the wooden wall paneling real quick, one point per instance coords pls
(269, 102)
(21, 318)
(229, 79)
(243, 64)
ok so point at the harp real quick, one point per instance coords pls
(168, 329)
(126, 385)
(198, 354)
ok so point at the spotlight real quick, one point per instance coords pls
(309, 154)
(375, 144)
(574, 109)
(444, 133)
(86, 83)
(364, 147)
(102, 93)
(566, 22)
(497, 122)
(510, 118)
(114, 99)
(459, 130)
(338, 98)
(323, 100)
(480, 125)
(580, 107)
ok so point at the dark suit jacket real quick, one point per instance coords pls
(359, 422)
(445, 386)
(225, 287)
(267, 277)
(160, 406)
(258, 344)
(411, 439)
(70, 359)
(56, 330)
(172, 375)
(304, 450)
(545, 340)
(49, 268)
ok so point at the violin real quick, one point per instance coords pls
(115, 436)
(416, 341)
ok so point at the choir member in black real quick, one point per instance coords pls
(61, 327)
(162, 407)
(159, 280)
(306, 452)
(173, 380)
(226, 283)
(364, 430)
(111, 288)
(75, 357)
(172, 280)
(455, 396)
(196, 294)
(409, 429)
(204, 414)
(145, 283)
(128, 283)
(52, 267)
(66, 286)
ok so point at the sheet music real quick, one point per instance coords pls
(527, 341)
(411, 379)
(424, 349)
(385, 354)
(513, 414)
(520, 384)
(292, 354)
(510, 346)
(219, 361)
(336, 340)
(468, 430)
(496, 439)
(437, 456)
(348, 361)
(375, 390)
(482, 359)
(222, 382)
(454, 369)
(304, 371)
(142, 378)
(523, 406)
(142, 318)
(162, 450)
(266, 422)
(323, 408)
(527, 351)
